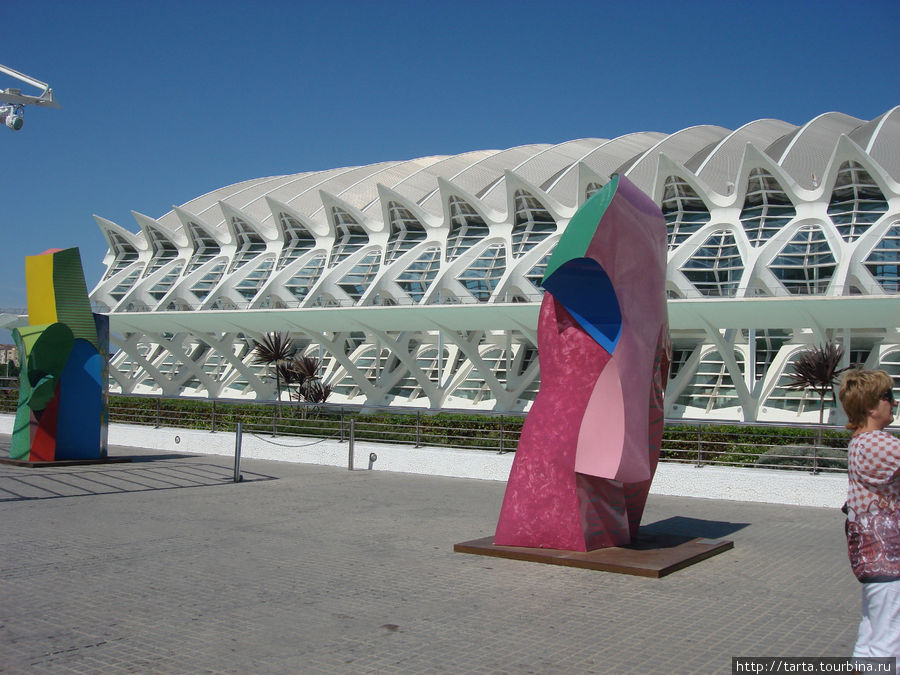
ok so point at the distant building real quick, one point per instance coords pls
(416, 282)
(9, 354)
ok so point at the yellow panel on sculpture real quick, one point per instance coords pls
(41, 296)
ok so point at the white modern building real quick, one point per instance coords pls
(416, 282)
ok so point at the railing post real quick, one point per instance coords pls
(699, 445)
(418, 428)
(350, 445)
(158, 400)
(501, 436)
(237, 454)
(342, 425)
(815, 469)
(274, 421)
(214, 416)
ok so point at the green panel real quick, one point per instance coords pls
(29, 335)
(581, 228)
(73, 307)
(20, 443)
(49, 352)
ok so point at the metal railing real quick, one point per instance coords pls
(798, 446)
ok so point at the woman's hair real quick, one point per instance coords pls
(859, 393)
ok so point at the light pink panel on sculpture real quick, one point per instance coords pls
(603, 426)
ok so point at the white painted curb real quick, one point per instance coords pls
(798, 488)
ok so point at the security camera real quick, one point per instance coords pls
(12, 116)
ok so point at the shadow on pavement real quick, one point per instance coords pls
(693, 527)
(46, 483)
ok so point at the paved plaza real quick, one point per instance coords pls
(165, 565)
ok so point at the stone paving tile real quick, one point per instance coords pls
(316, 569)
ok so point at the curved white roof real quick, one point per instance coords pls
(713, 153)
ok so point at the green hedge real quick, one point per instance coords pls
(721, 443)
(733, 444)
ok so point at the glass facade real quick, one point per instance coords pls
(684, 210)
(466, 228)
(716, 267)
(856, 201)
(767, 208)
(806, 264)
(483, 275)
(419, 275)
(532, 224)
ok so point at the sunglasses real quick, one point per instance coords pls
(887, 396)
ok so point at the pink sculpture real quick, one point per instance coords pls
(590, 443)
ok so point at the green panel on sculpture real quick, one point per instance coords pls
(20, 443)
(73, 307)
(581, 229)
(49, 352)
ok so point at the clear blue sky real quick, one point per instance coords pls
(163, 101)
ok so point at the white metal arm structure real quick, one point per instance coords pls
(13, 101)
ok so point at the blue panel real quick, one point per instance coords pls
(582, 286)
(80, 404)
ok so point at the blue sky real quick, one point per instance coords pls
(164, 101)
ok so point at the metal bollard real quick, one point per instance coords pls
(237, 454)
(699, 446)
(352, 441)
(372, 458)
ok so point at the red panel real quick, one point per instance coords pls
(43, 445)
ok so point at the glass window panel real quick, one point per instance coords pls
(406, 232)
(165, 284)
(716, 267)
(684, 210)
(358, 279)
(416, 278)
(349, 236)
(249, 286)
(466, 228)
(209, 280)
(249, 244)
(483, 275)
(306, 277)
(591, 189)
(297, 240)
(767, 208)
(712, 387)
(533, 223)
(806, 264)
(856, 201)
(164, 251)
(883, 262)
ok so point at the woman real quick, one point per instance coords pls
(873, 509)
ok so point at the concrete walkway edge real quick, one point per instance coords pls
(798, 488)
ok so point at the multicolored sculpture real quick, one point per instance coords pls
(590, 443)
(62, 411)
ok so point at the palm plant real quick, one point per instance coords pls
(277, 351)
(303, 371)
(817, 369)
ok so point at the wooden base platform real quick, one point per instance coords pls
(64, 462)
(651, 555)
